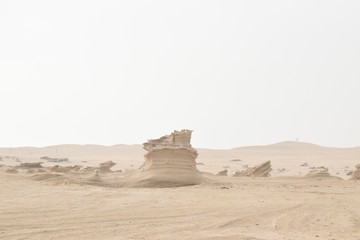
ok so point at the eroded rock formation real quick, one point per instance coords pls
(261, 170)
(356, 173)
(29, 165)
(170, 160)
(320, 173)
(66, 169)
(105, 166)
(222, 173)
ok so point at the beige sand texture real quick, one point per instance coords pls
(286, 158)
(63, 200)
(223, 208)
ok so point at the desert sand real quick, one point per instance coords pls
(46, 194)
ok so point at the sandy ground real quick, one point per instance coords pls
(222, 208)
(43, 205)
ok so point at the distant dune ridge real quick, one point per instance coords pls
(171, 160)
(170, 190)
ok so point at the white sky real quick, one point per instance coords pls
(237, 72)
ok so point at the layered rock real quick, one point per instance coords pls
(261, 170)
(105, 166)
(29, 165)
(170, 161)
(66, 169)
(222, 173)
(356, 173)
(320, 173)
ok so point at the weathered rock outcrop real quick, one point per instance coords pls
(29, 165)
(320, 173)
(170, 161)
(66, 169)
(55, 159)
(222, 173)
(356, 173)
(105, 166)
(261, 170)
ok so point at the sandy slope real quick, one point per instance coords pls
(221, 208)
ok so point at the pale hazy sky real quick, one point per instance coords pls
(237, 72)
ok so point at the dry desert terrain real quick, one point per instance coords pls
(38, 204)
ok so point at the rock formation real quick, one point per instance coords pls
(55, 159)
(261, 170)
(29, 165)
(170, 161)
(320, 173)
(222, 173)
(66, 169)
(356, 173)
(11, 170)
(105, 166)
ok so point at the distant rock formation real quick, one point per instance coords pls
(66, 169)
(320, 173)
(105, 166)
(55, 159)
(29, 165)
(11, 170)
(170, 161)
(261, 170)
(222, 173)
(356, 173)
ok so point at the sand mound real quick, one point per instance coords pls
(170, 161)
(261, 170)
(356, 173)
